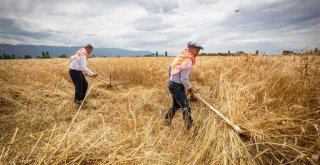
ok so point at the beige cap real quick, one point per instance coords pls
(194, 45)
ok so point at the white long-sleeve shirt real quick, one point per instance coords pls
(182, 77)
(80, 64)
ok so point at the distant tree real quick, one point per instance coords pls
(93, 56)
(149, 55)
(240, 53)
(286, 52)
(8, 56)
(228, 52)
(63, 56)
(27, 57)
(166, 54)
(316, 51)
(156, 53)
(13, 56)
(257, 52)
(47, 55)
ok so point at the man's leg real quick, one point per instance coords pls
(173, 87)
(186, 111)
(171, 112)
(182, 99)
(85, 86)
(77, 81)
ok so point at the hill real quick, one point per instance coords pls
(55, 51)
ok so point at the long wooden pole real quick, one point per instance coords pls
(108, 83)
(105, 82)
(216, 111)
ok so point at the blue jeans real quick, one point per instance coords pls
(179, 100)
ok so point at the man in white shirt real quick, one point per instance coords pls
(76, 69)
(179, 72)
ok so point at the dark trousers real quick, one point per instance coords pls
(80, 85)
(179, 100)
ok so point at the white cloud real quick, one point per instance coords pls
(162, 25)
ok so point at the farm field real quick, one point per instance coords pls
(275, 98)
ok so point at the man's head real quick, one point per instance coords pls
(89, 48)
(194, 48)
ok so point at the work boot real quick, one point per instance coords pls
(78, 102)
(167, 122)
(189, 126)
(169, 116)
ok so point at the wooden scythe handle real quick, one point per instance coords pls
(216, 111)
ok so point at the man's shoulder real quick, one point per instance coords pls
(187, 63)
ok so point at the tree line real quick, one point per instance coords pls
(315, 51)
(44, 55)
(157, 54)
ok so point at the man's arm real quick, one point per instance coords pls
(83, 65)
(185, 78)
(185, 74)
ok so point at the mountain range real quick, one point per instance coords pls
(55, 51)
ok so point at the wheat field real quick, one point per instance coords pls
(276, 99)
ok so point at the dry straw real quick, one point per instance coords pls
(276, 99)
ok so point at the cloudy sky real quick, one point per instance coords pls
(160, 25)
